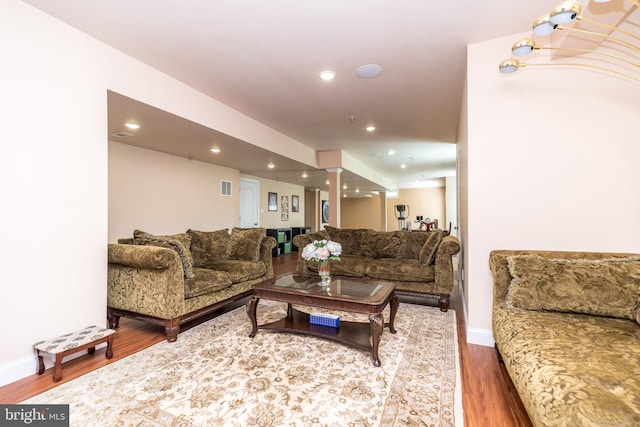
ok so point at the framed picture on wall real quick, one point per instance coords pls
(284, 208)
(273, 202)
(325, 211)
(295, 203)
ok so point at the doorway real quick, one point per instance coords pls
(249, 203)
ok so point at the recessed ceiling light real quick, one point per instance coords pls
(371, 128)
(215, 150)
(132, 125)
(304, 174)
(327, 182)
(369, 71)
(271, 165)
(403, 166)
(344, 186)
(327, 75)
(391, 152)
(357, 190)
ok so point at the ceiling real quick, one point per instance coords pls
(262, 58)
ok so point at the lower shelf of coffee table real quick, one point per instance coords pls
(355, 334)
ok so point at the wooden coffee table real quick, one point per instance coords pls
(352, 295)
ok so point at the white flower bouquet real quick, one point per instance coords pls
(322, 250)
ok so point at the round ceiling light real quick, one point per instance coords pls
(369, 71)
(327, 75)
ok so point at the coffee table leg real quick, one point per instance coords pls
(394, 309)
(252, 304)
(377, 326)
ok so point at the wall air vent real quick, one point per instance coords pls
(225, 188)
(122, 134)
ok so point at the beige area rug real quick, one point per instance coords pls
(215, 375)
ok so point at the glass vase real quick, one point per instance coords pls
(323, 271)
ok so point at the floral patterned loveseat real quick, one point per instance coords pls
(419, 263)
(170, 280)
(566, 328)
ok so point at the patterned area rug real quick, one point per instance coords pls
(215, 375)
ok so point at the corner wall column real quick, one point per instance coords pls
(383, 211)
(334, 196)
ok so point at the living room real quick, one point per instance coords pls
(547, 160)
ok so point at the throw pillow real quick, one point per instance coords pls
(349, 238)
(319, 235)
(208, 247)
(389, 244)
(411, 244)
(430, 248)
(371, 246)
(178, 242)
(606, 287)
(245, 243)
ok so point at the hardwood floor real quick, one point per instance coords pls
(488, 396)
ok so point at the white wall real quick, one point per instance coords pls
(164, 194)
(552, 162)
(54, 81)
(53, 171)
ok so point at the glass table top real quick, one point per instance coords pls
(338, 286)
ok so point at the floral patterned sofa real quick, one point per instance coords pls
(566, 328)
(419, 263)
(170, 280)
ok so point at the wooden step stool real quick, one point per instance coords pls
(84, 339)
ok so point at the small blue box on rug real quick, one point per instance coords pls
(324, 319)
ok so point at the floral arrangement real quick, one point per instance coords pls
(322, 250)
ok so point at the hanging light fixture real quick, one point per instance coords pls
(617, 50)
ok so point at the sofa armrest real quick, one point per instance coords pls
(266, 254)
(302, 240)
(145, 279)
(138, 256)
(449, 247)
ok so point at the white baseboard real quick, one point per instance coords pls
(18, 369)
(27, 366)
(475, 336)
(480, 337)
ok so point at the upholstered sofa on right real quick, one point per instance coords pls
(419, 263)
(566, 327)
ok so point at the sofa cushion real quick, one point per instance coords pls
(410, 244)
(606, 287)
(205, 281)
(180, 243)
(430, 247)
(411, 270)
(349, 265)
(245, 243)
(571, 369)
(240, 271)
(209, 246)
(349, 238)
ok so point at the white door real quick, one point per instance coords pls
(249, 203)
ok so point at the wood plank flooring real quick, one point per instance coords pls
(488, 396)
